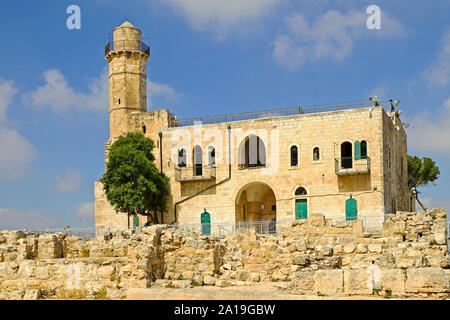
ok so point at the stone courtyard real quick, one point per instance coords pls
(311, 258)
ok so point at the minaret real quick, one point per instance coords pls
(127, 56)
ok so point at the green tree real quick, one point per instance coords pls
(132, 182)
(421, 173)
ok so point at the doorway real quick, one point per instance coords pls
(301, 209)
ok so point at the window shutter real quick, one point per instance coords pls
(357, 150)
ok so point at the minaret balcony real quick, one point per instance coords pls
(127, 45)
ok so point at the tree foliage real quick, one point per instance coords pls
(421, 173)
(132, 182)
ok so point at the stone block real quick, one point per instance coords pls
(427, 280)
(328, 282)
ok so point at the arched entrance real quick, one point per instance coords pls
(135, 222)
(205, 219)
(256, 202)
(351, 210)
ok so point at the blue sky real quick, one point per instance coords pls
(208, 57)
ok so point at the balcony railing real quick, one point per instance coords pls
(352, 165)
(132, 45)
(196, 172)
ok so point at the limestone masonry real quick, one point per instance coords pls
(344, 162)
(314, 256)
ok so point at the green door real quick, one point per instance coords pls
(301, 209)
(135, 222)
(351, 212)
(205, 219)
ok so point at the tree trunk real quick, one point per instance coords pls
(420, 203)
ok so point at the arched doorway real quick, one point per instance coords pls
(256, 203)
(346, 155)
(205, 220)
(301, 204)
(351, 210)
(135, 222)
(252, 152)
(197, 160)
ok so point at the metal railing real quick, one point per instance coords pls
(133, 45)
(82, 232)
(278, 112)
(196, 172)
(352, 165)
(370, 223)
(223, 228)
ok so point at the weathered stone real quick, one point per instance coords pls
(356, 282)
(328, 282)
(301, 260)
(209, 281)
(427, 280)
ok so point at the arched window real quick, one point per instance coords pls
(300, 191)
(294, 156)
(252, 152)
(346, 155)
(364, 149)
(211, 156)
(144, 129)
(316, 154)
(182, 158)
(197, 160)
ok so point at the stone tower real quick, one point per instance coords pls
(127, 56)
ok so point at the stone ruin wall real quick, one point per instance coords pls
(408, 258)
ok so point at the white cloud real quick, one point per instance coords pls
(7, 92)
(85, 211)
(15, 219)
(16, 153)
(156, 91)
(222, 15)
(70, 181)
(438, 72)
(331, 35)
(431, 133)
(58, 95)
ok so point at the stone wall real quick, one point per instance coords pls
(314, 256)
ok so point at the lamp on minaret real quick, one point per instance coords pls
(127, 55)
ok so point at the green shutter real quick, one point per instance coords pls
(357, 150)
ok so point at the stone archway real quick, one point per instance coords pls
(255, 202)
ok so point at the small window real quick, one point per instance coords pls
(274, 207)
(144, 129)
(294, 156)
(182, 158)
(300, 191)
(316, 154)
(119, 101)
(364, 149)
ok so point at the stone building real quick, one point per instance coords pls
(345, 161)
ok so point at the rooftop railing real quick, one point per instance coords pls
(279, 112)
(133, 45)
